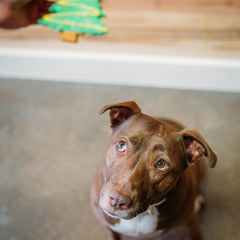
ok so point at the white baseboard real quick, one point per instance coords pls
(121, 69)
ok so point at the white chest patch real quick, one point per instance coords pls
(143, 223)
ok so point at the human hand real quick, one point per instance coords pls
(21, 13)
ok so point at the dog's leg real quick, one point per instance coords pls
(198, 204)
(193, 228)
(113, 235)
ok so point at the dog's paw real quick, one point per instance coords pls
(198, 204)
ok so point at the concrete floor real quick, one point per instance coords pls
(52, 139)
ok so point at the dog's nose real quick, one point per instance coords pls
(118, 200)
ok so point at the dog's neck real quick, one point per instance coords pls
(151, 207)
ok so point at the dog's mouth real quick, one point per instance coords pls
(123, 214)
(111, 214)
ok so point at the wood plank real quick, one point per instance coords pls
(150, 26)
(175, 5)
(197, 27)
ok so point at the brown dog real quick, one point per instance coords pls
(147, 183)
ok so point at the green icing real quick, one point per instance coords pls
(74, 23)
(92, 7)
(80, 16)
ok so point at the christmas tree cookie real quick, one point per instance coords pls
(73, 17)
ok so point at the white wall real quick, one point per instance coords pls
(122, 69)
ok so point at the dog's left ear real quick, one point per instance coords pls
(119, 112)
(196, 147)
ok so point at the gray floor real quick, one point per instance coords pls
(51, 139)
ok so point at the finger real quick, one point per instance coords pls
(45, 6)
(36, 9)
(32, 10)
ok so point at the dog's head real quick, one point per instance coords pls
(144, 160)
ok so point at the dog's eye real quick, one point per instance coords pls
(121, 146)
(161, 164)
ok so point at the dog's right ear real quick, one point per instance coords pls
(119, 112)
(196, 147)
